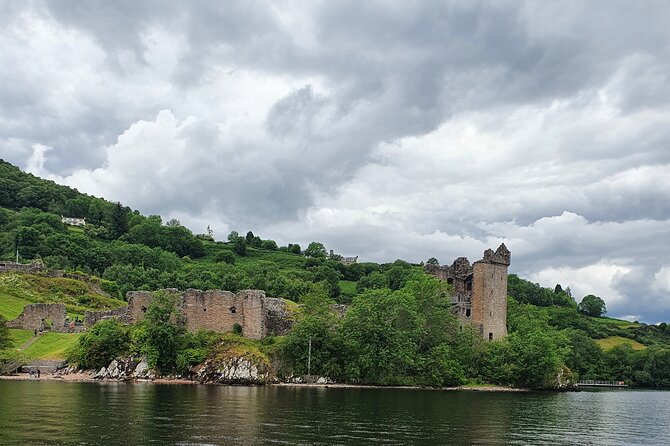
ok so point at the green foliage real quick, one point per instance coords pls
(592, 306)
(225, 257)
(98, 346)
(527, 292)
(159, 335)
(379, 334)
(317, 323)
(315, 249)
(194, 348)
(240, 247)
(442, 368)
(118, 221)
(6, 340)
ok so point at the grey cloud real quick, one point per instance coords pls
(354, 77)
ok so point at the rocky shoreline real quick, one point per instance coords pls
(88, 377)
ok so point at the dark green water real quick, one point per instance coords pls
(48, 413)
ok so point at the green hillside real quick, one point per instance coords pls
(18, 289)
(122, 250)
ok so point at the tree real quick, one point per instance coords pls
(118, 221)
(249, 238)
(315, 249)
(294, 248)
(233, 236)
(379, 334)
(432, 261)
(317, 323)
(158, 336)
(240, 246)
(269, 245)
(329, 275)
(592, 306)
(5, 338)
(98, 346)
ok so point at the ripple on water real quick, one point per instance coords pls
(46, 413)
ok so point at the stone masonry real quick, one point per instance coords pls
(214, 310)
(480, 290)
(39, 316)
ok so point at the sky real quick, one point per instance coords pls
(408, 129)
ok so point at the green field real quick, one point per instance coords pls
(51, 345)
(613, 341)
(20, 336)
(11, 306)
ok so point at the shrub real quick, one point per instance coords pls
(98, 346)
(225, 257)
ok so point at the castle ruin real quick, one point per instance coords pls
(255, 314)
(480, 290)
(41, 317)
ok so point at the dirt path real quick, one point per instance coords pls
(29, 342)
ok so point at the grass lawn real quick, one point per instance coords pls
(20, 336)
(51, 345)
(613, 341)
(608, 320)
(347, 290)
(11, 306)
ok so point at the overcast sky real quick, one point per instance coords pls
(382, 129)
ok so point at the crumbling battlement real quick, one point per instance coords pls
(480, 290)
(214, 310)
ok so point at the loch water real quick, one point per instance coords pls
(64, 413)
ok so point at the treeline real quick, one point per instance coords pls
(151, 255)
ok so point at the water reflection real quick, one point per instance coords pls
(46, 413)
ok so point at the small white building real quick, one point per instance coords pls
(349, 260)
(73, 221)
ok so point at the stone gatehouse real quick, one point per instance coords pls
(41, 317)
(480, 290)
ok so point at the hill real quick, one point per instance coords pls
(120, 250)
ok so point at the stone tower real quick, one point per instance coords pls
(489, 293)
(480, 290)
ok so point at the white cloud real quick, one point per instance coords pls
(662, 279)
(390, 132)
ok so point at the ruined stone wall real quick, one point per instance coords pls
(138, 302)
(278, 320)
(30, 268)
(93, 317)
(253, 305)
(35, 316)
(214, 310)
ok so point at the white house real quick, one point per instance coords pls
(73, 221)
